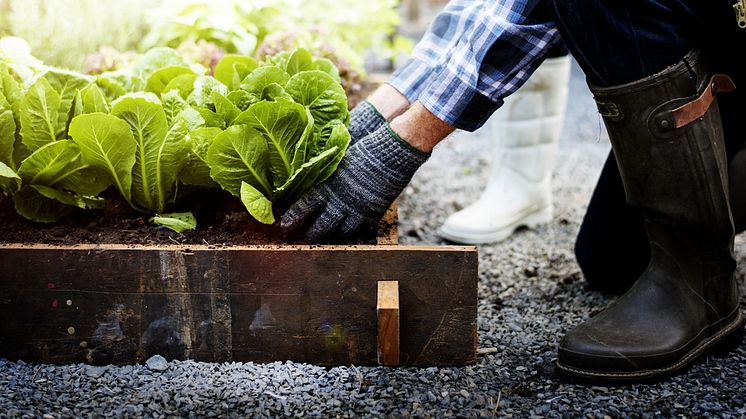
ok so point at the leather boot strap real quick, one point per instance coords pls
(692, 111)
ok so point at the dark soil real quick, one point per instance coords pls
(221, 221)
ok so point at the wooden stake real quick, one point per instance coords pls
(388, 323)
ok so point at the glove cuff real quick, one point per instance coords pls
(405, 144)
(390, 156)
(364, 120)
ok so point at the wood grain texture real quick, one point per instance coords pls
(388, 323)
(316, 304)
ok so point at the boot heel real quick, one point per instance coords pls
(729, 343)
(543, 216)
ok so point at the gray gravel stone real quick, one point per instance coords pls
(157, 363)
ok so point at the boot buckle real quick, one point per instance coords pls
(609, 109)
(740, 8)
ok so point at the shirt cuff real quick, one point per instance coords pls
(411, 78)
(457, 102)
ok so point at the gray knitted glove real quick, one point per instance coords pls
(364, 119)
(369, 179)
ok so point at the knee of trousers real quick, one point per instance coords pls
(604, 266)
(587, 256)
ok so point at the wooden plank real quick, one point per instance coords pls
(316, 304)
(388, 323)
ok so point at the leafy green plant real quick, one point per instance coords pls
(265, 132)
(291, 136)
(44, 172)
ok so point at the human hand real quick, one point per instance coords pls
(370, 177)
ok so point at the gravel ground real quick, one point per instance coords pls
(530, 294)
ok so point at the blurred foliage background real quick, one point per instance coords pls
(101, 35)
(63, 32)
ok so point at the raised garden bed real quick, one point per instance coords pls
(121, 303)
(111, 162)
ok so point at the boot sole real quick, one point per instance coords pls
(720, 344)
(532, 220)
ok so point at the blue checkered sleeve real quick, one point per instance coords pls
(475, 54)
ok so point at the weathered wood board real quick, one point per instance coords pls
(388, 322)
(104, 304)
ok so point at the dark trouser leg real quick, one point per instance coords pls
(674, 171)
(611, 227)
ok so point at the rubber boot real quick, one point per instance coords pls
(667, 137)
(526, 130)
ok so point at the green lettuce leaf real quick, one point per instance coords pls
(197, 171)
(257, 204)
(183, 84)
(327, 67)
(107, 142)
(156, 59)
(45, 165)
(67, 198)
(243, 99)
(178, 221)
(39, 113)
(94, 100)
(319, 168)
(211, 118)
(300, 60)
(32, 205)
(9, 180)
(191, 118)
(225, 108)
(240, 154)
(274, 91)
(282, 124)
(159, 81)
(204, 86)
(67, 84)
(4, 103)
(10, 88)
(83, 179)
(173, 104)
(7, 137)
(160, 153)
(324, 96)
(263, 77)
(60, 165)
(110, 88)
(232, 69)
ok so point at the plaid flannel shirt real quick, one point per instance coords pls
(475, 54)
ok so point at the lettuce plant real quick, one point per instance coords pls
(43, 170)
(265, 132)
(291, 136)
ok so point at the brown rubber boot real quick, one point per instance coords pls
(667, 136)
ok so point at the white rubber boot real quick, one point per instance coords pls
(526, 130)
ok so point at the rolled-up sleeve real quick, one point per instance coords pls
(475, 54)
